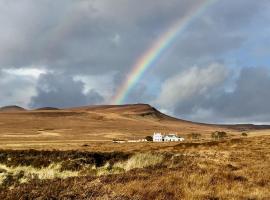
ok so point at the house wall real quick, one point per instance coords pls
(157, 138)
(173, 139)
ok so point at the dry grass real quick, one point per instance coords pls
(26, 173)
(10, 174)
(141, 160)
(87, 165)
(229, 169)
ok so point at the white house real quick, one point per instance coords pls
(158, 137)
(173, 138)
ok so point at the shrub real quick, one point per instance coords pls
(219, 135)
(149, 138)
(244, 134)
(195, 136)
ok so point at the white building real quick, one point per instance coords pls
(158, 137)
(173, 138)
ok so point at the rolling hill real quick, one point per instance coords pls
(98, 123)
(12, 108)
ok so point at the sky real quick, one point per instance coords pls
(68, 53)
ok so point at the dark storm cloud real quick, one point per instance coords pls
(95, 37)
(78, 36)
(104, 38)
(225, 27)
(250, 98)
(247, 102)
(15, 90)
(62, 91)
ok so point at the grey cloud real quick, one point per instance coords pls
(75, 36)
(95, 37)
(232, 14)
(251, 96)
(16, 89)
(188, 86)
(139, 94)
(225, 27)
(62, 91)
(247, 102)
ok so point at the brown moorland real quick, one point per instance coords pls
(237, 168)
(69, 154)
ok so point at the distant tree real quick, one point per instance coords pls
(116, 139)
(149, 138)
(219, 135)
(195, 136)
(244, 134)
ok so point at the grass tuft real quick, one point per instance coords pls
(22, 174)
(140, 160)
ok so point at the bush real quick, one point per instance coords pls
(219, 135)
(244, 134)
(149, 138)
(195, 136)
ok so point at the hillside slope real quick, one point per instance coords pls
(12, 108)
(96, 123)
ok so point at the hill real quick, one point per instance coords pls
(48, 126)
(48, 108)
(128, 110)
(11, 108)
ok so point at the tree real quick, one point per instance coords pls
(219, 135)
(149, 138)
(195, 136)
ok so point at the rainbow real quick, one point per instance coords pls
(151, 56)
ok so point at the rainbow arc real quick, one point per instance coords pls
(151, 56)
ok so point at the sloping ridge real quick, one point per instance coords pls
(47, 108)
(139, 111)
(246, 127)
(12, 108)
(131, 110)
(147, 111)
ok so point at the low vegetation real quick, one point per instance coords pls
(219, 135)
(149, 138)
(195, 136)
(236, 168)
(141, 160)
(244, 134)
(23, 174)
(89, 164)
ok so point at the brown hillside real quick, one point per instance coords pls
(94, 123)
(48, 108)
(12, 108)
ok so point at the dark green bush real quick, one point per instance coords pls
(149, 138)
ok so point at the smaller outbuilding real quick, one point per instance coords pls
(173, 138)
(158, 137)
